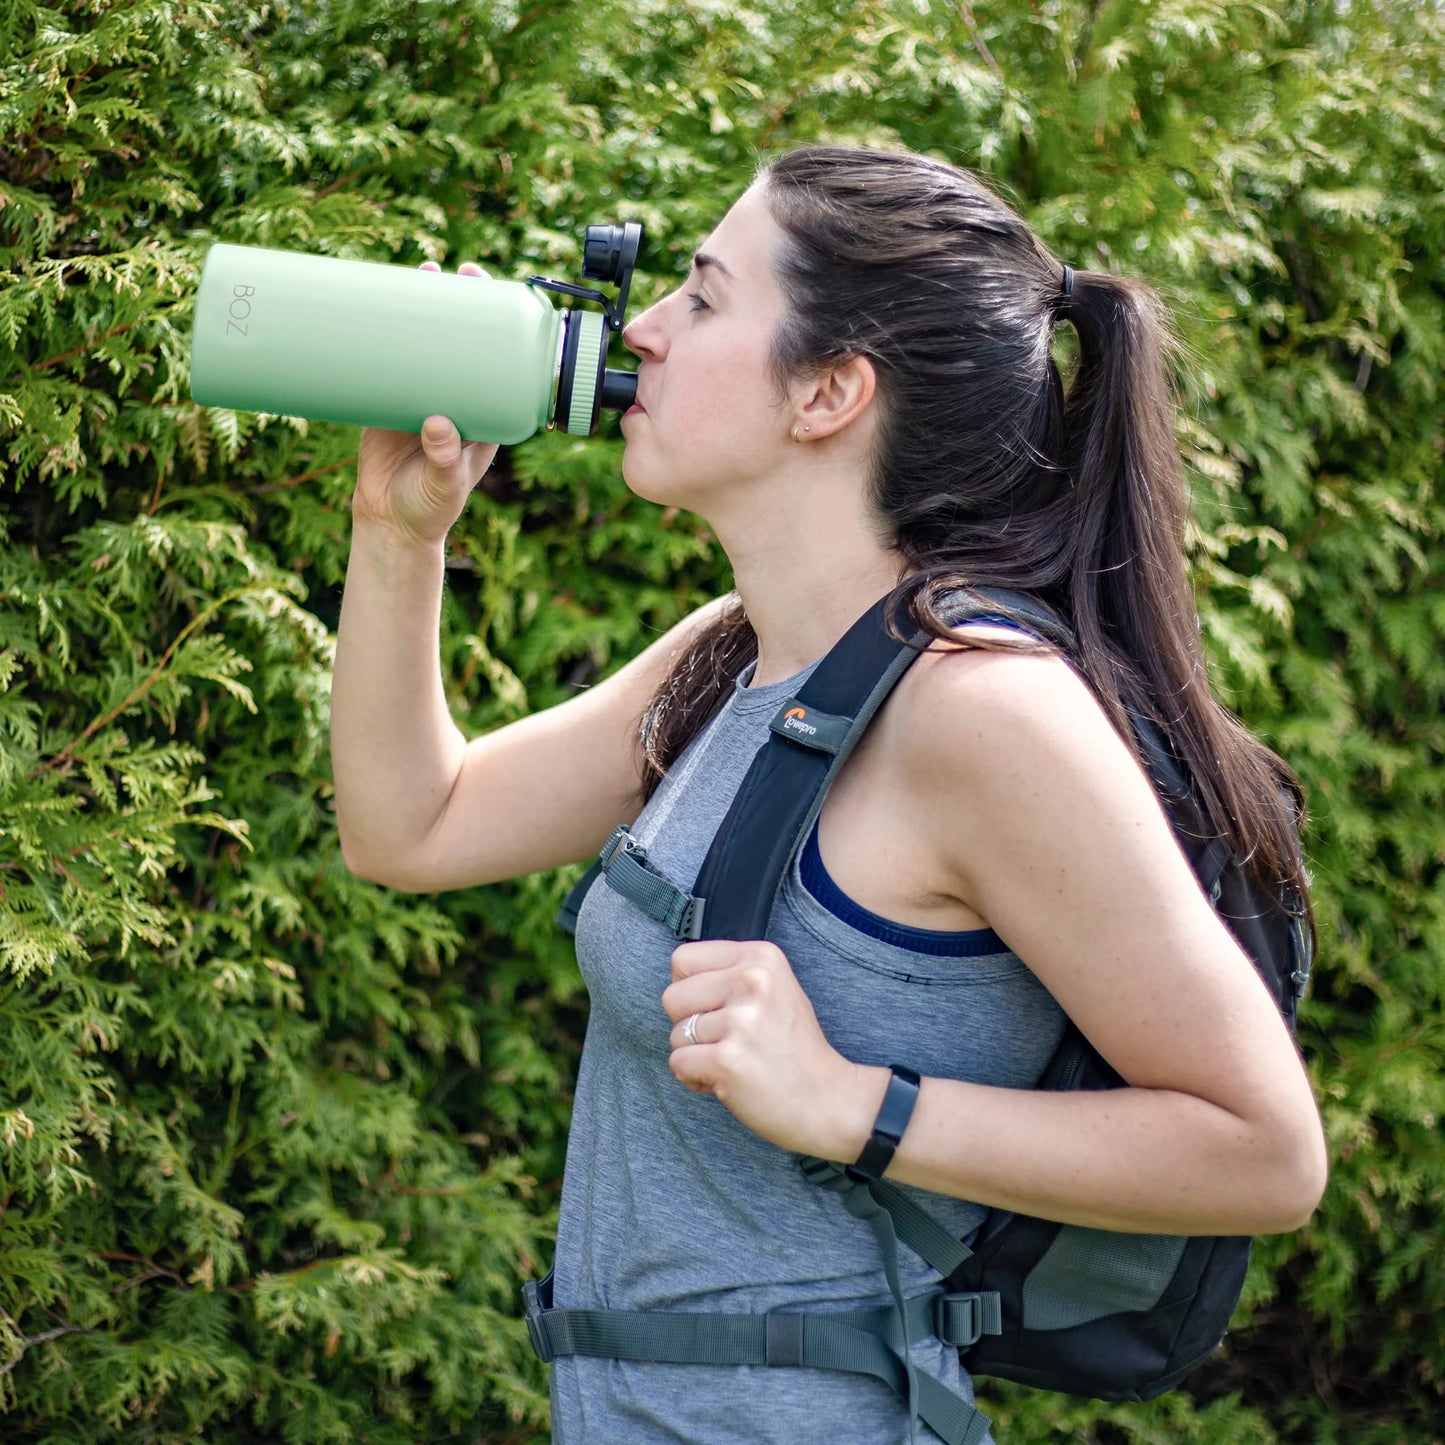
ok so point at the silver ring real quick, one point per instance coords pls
(689, 1029)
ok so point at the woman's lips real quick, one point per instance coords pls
(634, 409)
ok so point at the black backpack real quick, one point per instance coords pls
(1086, 1311)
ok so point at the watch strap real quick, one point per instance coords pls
(893, 1116)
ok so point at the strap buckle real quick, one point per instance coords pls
(827, 1175)
(960, 1319)
(622, 840)
(689, 926)
(532, 1300)
(783, 1345)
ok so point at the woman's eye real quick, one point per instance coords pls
(698, 304)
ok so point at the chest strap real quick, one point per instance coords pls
(625, 866)
(859, 1342)
(863, 1342)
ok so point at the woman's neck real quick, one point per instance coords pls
(801, 604)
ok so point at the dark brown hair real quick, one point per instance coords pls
(986, 473)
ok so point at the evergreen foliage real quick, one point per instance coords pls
(277, 1147)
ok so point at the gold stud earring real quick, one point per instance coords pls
(796, 437)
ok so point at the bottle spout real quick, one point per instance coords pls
(619, 389)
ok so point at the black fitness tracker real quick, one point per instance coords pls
(888, 1127)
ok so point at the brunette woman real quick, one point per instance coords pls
(855, 387)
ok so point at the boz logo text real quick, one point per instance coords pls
(240, 309)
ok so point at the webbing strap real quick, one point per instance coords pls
(860, 1342)
(861, 1204)
(918, 1229)
(682, 1338)
(626, 868)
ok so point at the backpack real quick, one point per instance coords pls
(1117, 1316)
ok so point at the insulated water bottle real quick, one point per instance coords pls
(388, 346)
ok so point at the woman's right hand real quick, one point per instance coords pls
(419, 484)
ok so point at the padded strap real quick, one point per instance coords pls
(572, 904)
(782, 792)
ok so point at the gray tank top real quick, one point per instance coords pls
(669, 1203)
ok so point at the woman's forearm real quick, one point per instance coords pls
(395, 750)
(1131, 1160)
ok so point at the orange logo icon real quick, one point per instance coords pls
(793, 720)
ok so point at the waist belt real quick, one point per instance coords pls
(861, 1342)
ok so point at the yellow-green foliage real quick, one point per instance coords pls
(276, 1146)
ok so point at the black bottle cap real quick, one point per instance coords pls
(610, 251)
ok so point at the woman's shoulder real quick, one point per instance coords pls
(991, 742)
(998, 695)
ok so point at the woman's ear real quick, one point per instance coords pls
(837, 398)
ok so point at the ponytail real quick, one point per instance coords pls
(1128, 595)
(1130, 599)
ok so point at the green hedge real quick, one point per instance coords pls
(276, 1146)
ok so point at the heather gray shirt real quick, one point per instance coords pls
(669, 1203)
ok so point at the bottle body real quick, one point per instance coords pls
(373, 344)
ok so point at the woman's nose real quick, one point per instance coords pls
(644, 335)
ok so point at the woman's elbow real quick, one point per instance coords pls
(373, 867)
(1302, 1172)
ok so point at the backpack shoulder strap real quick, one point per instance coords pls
(810, 738)
(979, 603)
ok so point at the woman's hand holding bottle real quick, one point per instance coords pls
(418, 485)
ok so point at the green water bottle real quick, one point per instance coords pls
(388, 346)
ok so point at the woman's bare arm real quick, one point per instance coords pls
(1057, 838)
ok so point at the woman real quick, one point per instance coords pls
(855, 389)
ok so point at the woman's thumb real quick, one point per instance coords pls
(441, 442)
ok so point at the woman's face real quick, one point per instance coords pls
(709, 414)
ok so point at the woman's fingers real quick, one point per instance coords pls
(451, 463)
(467, 268)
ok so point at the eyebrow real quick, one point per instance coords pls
(702, 259)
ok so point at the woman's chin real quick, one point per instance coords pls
(644, 483)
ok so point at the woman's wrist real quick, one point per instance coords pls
(386, 534)
(858, 1103)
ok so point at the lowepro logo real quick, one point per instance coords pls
(239, 311)
(795, 718)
